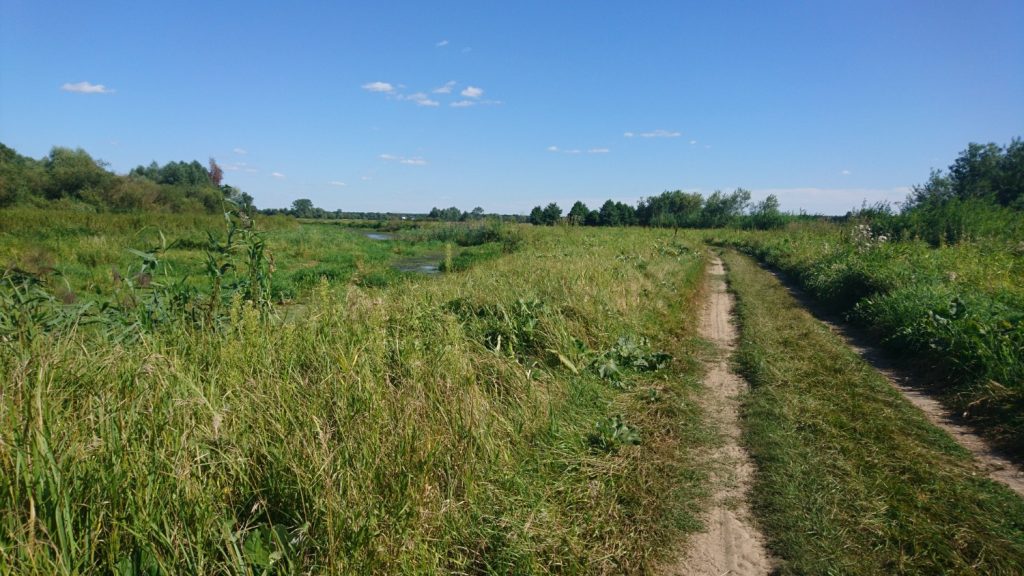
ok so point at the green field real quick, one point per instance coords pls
(201, 394)
(517, 416)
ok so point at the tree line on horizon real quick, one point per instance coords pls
(672, 209)
(981, 193)
(72, 176)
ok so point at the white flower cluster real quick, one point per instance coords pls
(865, 239)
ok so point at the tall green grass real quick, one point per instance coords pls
(852, 479)
(460, 423)
(956, 312)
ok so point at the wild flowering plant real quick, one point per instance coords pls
(865, 239)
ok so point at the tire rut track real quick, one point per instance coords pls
(731, 543)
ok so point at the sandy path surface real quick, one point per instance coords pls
(731, 544)
(996, 466)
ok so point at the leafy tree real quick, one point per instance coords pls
(609, 214)
(21, 177)
(216, 173)
(616, 214)
(552, 214)
(72, 172)
(578, 213)
(537, 216)
(303, 208)
(982, 172)
(766, 214)
(721, 210)
(671, 209)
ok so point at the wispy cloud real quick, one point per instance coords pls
(86, 88)
(385, 87)
(337, 183)
(471, 94)
(278, 175)
(366, 178)
(846, 172)
(660, 133)
(240, 151)
(420, 99)
(446, 89)
(441, 44)
(575, 151)
(692, 142)
(413, 161)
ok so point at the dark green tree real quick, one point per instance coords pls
(73, 172)
(578, 213)
(552, 214)
(766, 214)
(537, 216)
(303, 208)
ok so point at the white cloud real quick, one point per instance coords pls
(366, 178)
(463, 104)
(86, 88)
(692, 142)
(575, 151)
(446, 89)
(421, 99)
(472, 92)
(378, 87)
(846, 172)
(441, 43)
(278, 175)
(338, 183)
(414, 161)
(240, 151)
(654, 134)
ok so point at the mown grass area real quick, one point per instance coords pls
(953, 312)
(516, 417)
(852, 479)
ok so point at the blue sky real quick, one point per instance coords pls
(402, 106)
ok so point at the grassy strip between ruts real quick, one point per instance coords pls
(851, 478)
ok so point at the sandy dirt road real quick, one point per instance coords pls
(731, 544)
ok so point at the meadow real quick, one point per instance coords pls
(215, 394)
(309, 408)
